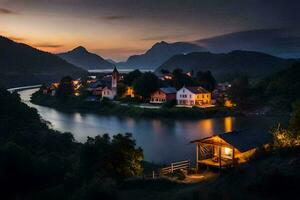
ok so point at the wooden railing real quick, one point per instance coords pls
(23, 88)
(182, 165)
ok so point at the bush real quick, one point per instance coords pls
(169, 104)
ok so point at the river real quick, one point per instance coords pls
(163, 140)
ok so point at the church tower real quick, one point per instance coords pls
(114, 78)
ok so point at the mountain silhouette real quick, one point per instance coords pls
(158, 54)
(253, 64)
(84, 59)
(21, 64)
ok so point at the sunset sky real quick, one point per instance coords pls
(119, 28)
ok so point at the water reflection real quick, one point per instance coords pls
(163, 140)
(228, 123)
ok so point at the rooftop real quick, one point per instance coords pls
(242, 140)
(168, 90)
(197, 90)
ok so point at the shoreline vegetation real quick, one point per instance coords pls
(106, 107)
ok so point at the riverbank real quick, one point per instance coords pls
(77, 104)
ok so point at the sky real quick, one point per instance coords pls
(117, 29)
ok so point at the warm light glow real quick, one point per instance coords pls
(205, 126)
(227, 151)
(168, 77)
(228, 122)
(129, 92)
(55, 85)
(75, 82)
(228, 103)
(76, 94)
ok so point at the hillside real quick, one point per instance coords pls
(86, 60)
(282, 42)
(254, 64)
(159, 53)
(22, 65)
(281, 89)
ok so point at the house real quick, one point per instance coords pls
(96, 88)
(109, 92)
(229, 149)
(193, 96)
(163, 94)
(52, 89)
(129, 92)
(220, 95)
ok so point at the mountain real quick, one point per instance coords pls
(158, 54)
(111, 61)
(253, 64)
(84, 59)
(282, 42)
(21, 65)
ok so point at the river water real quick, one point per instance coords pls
(163, 140)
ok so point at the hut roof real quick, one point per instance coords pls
(242, 140)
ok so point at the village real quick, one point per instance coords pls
(111, 86)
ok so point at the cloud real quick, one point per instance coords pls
(5, 11)
(17, 39)
(47, 45)
(166, 37)
(115, 17)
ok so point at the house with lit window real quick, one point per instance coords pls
(163, 94)
(129, 92)
(193, 96)
(229, 149)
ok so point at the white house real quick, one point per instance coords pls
(109, 92)
(193, 96)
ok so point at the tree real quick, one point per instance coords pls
(121, 89)
(206, 80)
(240, 92)
(294, 123)
(117, 157)
(164, 71)
(65, 88)
(131, 77)
(146, 84)
(181, 79)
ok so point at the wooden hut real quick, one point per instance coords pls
(229, 149)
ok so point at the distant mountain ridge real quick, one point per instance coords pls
(254, 64)
(82, 58)
(21, 64)
(158, 54)
(282, 42)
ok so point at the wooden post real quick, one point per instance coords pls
(220, 162)
(171, 167)
(197, 156)
(233, 161)
(153, 175)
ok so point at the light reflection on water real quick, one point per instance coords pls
(163, 140)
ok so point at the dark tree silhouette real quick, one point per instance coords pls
(146, 84)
